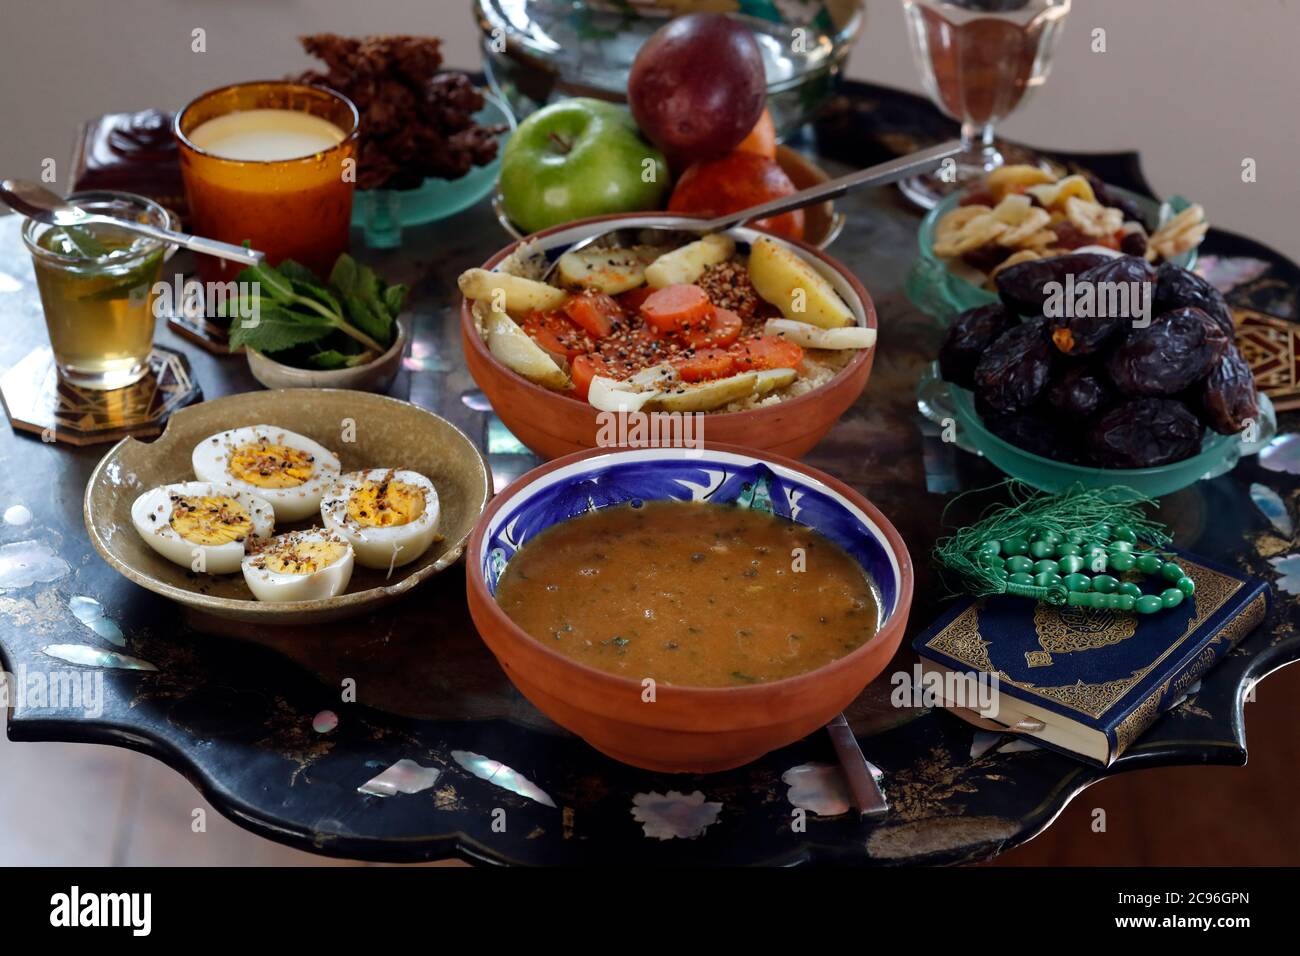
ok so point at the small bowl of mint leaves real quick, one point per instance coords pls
(300, 332)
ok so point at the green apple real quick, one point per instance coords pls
(578, 158)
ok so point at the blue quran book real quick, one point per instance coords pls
(1089, 682)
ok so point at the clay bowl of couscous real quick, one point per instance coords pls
(553, 420)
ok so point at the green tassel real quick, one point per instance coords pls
(1088, 513)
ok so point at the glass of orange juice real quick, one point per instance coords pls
(271, 163)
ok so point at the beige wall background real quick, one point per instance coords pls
(1196, 85)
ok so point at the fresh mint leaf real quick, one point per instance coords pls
(136, 282)
(331, 359)
(395, 299)
(343, 277)
(297, 272)
(83, 242)
(320, 294)
(271, 283)
(375, 324)
(278, 328)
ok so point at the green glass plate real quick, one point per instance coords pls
(381, 214)
(941, 294)
(1219, 454)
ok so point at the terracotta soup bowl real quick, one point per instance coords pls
(685, 729)
(553, 424)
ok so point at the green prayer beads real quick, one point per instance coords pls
(1041, 549)
(1052, 564)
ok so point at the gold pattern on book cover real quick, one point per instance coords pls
(962, 641)
(1131, 727)
(1066, 630)
(1135, 723)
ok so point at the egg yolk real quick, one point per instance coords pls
(383, 504)
(210, 519)
(270, 466)
(306, 557)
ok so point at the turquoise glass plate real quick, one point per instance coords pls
(382, 214)
(941, 294)
(1218, 455)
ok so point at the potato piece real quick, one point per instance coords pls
(685, 265)
(783, 278)
(654, 377)
(513, 294)
(770, 379)
(606, 270)
(519, 353)
(705, 395)
(813, 337)
(611, 395)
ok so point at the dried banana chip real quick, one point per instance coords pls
(953, 221)
(972, 233)
(1181, 233)
(1054, 196)
(1029, 232)
(1013, 209)
(1040, 240)
(1002, 181)
(1093, 218)
(1024, 255)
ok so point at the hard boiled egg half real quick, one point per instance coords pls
(201, 525)
(388, 515)
(299, 566)
(287, 469)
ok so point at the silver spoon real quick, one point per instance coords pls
(36, 202)
(878, 175)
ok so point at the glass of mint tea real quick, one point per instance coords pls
(97, 288)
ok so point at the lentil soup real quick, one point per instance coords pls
(690, 593)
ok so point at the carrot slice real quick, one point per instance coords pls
(766, 351)
(632, 300)
(555, 333)
(675, 305)
(704, 364)
(583, 369)
(721, 328)
(594, 312)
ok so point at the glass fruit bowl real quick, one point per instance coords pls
(1219, 454)
(536, 51)
(941, 293)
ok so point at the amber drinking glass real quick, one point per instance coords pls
(979, 60)
(284, 187)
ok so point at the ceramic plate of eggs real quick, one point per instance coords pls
(288, 507)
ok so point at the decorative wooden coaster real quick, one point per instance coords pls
(37, 400)
(1270, 345)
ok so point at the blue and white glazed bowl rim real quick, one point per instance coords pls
(716, 473)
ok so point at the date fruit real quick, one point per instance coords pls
(1174, 352)
(1144, 433)
(969, 335)
(1037, 434)
(1021, 286)
(1228, 399)
(1106, 299)
(1079, 392)
(1177, 288)
(1013, 371)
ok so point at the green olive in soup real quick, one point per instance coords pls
(690, 593)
